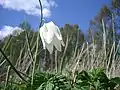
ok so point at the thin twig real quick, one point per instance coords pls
(28, 44)
(7, 77)
(41, 14)
(34, 63)
(12, 65)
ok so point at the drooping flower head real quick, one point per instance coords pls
(51, 36)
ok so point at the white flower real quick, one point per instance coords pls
(51, 36)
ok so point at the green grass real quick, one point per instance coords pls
(95, 79)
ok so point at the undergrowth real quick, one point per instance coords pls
(95, 79)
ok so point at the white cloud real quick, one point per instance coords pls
(46, 12)
(30, 7)
(9, 30)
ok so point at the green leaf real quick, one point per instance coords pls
(83, 75)
(49, 86)
(40, 87)
(85, 88)
(116, 80)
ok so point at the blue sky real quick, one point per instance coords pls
(80, 12)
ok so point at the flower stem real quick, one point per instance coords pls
(12, 65)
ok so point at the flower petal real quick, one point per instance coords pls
(49, 47)
(48, 33)
(41, 35)
(57, 43)
(62, 43)
(58, 33)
